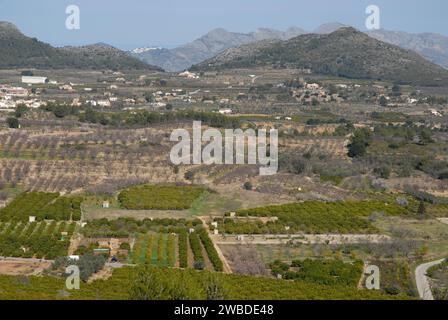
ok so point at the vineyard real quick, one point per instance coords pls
(44, 206)
(149, 197)
(311, 217)
(36, 239)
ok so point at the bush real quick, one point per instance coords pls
(248, 186)
(359, 143)
(12, 123)
(125, 246)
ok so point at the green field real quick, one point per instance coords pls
(36, 239)
(42, 205)
(151, 197)
(313, 217)
(155, 248)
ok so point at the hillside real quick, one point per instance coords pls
(345, 53)
(20, 51)
(433, 47)
(209, 45)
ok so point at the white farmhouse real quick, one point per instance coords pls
(225, 111)
(34, 80)
(104, 103)
(189, 75)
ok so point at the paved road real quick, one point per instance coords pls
(424, 289)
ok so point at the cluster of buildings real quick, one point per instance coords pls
(7, 91)
(310, 93)
(11, 97)
(161, 97)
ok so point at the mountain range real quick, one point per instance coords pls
(207, 46)
(20, 51)
(433, 47)
(332, 49)
(346, 52)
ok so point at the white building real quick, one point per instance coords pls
(104, 103)
(34, 80)
(189, 75)
(225, 111)
(312, 86)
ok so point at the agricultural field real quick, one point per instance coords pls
(351, 189)
(158, 249)
(36, 239)
(327, 272)
(311, 217)
(184, 250)
(43, 206)
(396, 277)
(120, 286)
(159, 197)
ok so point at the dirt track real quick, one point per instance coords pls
(423, 286)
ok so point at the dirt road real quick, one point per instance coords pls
(225, 263)
(423, 286)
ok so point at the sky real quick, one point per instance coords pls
(167, 23)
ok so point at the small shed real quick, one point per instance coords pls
(106, 204)
(191, 230)
(31, 219)
(215, 225)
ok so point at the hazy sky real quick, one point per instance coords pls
(132, 23)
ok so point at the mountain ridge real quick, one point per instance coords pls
(19, 51)
(433, 47)
(210, 44)
(346, 52)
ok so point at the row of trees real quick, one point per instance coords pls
(211, 251)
